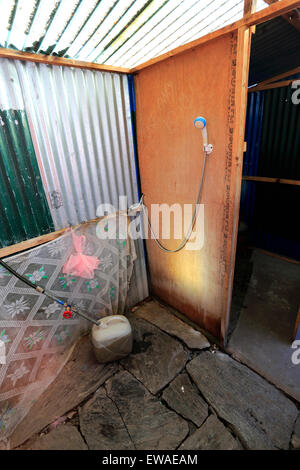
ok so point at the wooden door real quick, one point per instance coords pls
(210, 80)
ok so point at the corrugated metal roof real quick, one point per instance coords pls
(114, 32)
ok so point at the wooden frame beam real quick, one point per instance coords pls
(280, 76)
(264, 179)
(249, 7)
(54, 60)
(240, 100)
(274, 10)
(33, 242)
(292, 17)
(269, 86)
(274, 82)
(275, 255)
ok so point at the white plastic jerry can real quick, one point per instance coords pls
(112, 338)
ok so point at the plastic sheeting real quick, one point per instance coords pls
(37, 337)
(125, 32)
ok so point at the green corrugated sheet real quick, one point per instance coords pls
(24, 211)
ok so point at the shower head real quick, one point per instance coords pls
(200, 123)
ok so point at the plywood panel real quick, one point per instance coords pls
(169, 96)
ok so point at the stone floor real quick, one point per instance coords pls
(175, 391)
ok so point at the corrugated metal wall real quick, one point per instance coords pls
(24, 211)
(273, 148)
(280, 143)
(83, 138)
(80, 123)
(251, 157)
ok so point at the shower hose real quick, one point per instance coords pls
(194, 217)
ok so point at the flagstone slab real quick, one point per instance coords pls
(159, 316)
(102, 426)
(156, 357)
(64, 437)
(149, 423)
(212, 435)
(184, 398)
(259, 414)
(79, 378)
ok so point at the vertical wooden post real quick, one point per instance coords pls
(241, 88)
(242, 67)
(249, 7)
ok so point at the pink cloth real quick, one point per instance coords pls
(81, 265)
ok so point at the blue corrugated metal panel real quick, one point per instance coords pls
(133, 121)
(280, 143)
(252, 137)
(253, 132)
(275, 227)
(273, 148)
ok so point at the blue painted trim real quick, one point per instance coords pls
(134, 134)
(136, 159)
(298, 333)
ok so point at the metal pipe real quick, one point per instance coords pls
(47, 293)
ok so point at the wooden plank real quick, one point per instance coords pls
(265, 179)
(292, 17)
(186, 47)
(280, 76)
(238, 114)
(274, 10)
(33, 242)
(267, 14)
(54, 60)
(275, 255)
(249, 7)
(271, 86)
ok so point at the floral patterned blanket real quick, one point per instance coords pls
(35, 338)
